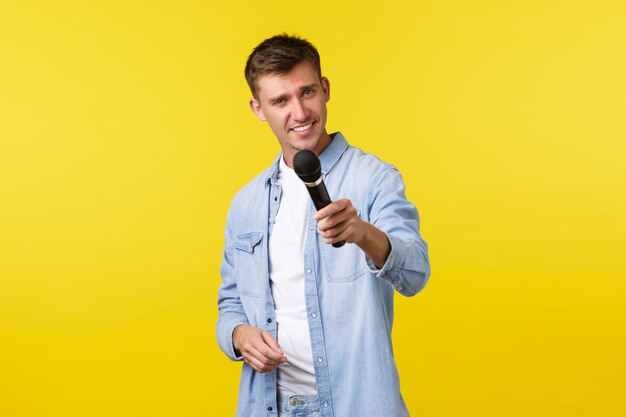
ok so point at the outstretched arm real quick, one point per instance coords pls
(391, 241)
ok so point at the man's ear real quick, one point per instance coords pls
(256, 108)
(326, 88)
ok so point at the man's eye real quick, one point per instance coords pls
(279, 101)
(307, 92)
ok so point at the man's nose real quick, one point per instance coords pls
(299, 111)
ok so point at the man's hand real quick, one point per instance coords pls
(340, 221)
(258, 348)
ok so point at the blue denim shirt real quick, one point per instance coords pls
(349, 300)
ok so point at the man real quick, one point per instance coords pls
(312, 322)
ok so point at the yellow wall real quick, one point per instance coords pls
(124, 132)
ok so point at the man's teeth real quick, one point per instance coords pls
(302, 128)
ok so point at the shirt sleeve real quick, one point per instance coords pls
(231, 313)
(407, 268)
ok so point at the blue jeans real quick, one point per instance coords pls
(298, 406)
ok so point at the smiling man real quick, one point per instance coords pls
(312, 322)
(294, 105)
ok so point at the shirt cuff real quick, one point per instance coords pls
(392, 267)
(227, 341)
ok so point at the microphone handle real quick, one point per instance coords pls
(320, 197)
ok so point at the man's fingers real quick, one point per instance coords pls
(271, 342)
(331, 235)
(336, 221)
(264, 359)
(333, 207)
(333, 220)
(267, 347)
(257, 365)
(265, 355)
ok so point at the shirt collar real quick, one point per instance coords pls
(328, 158)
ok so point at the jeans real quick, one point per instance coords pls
(298, 406)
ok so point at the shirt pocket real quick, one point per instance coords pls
(249, 263)
(344, 264)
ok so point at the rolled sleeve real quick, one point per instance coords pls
(407, 267)
(231, 312)
(226, 326)
(406, 276)
(393, 265)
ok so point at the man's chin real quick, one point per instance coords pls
(309, 146)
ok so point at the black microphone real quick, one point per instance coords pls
(308, 168)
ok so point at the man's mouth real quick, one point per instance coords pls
(302, 128)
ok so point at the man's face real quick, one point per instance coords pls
(294, 105)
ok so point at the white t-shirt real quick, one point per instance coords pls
(286, 264)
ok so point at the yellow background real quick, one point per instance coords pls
(125, 132)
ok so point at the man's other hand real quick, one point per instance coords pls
(258, 348)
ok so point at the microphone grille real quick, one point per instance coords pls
(307, 166)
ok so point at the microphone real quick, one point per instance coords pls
(307, 166)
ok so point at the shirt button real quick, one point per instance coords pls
(269, 320)
(312, 227)
(320, 360)
(314, 315)
(308, 271)
(269, 408)
(325, 404)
